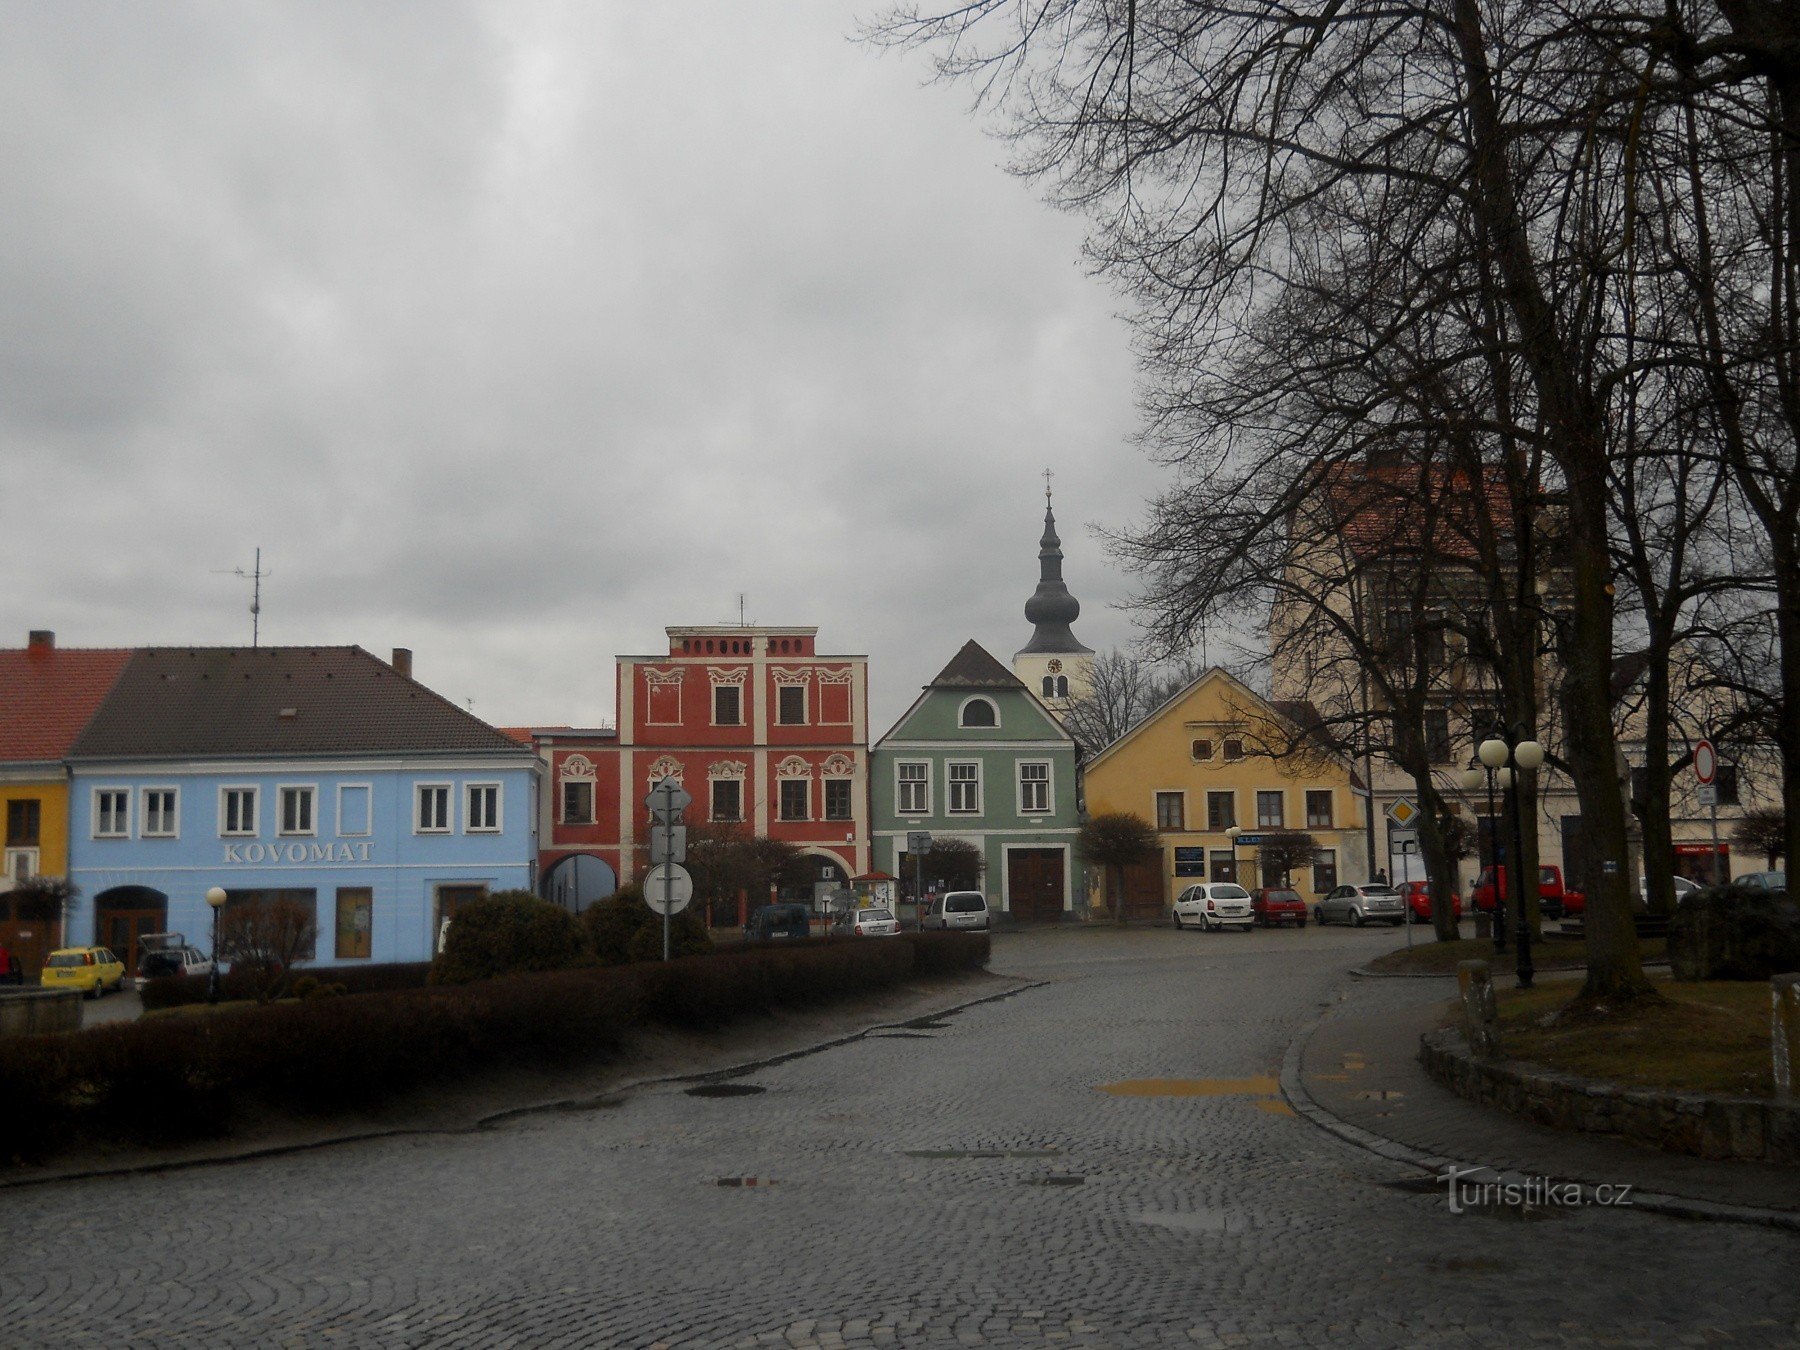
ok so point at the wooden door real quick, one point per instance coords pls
(120, 930)
(1144, 892)
(1034, 884)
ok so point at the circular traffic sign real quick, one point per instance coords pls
(671, 879)
(1706, 761)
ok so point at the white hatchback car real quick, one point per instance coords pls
(1214, 904)
(874, 922)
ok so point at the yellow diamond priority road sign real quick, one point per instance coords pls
(1403, 813)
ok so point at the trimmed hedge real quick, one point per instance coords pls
(509, 932)
(170, 1080)
(174, 991)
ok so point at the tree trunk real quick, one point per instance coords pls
(1117, 872)
(1659, 834)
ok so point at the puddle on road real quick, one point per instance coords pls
(725, 1090)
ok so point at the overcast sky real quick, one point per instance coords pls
(514, 332)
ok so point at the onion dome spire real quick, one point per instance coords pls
(1051, 608)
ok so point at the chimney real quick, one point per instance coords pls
(402, 662)
(42, 641)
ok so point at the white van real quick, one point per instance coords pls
(957, 909)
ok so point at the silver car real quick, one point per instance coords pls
(957, 909)
(1361, 902)
(1214, 904)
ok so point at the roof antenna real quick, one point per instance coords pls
(255, 576)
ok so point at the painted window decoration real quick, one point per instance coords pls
(979, 712)
(112, 813)
(662, 698)
(796, 799)
(1221, 810)
(965, 787)
(1318, 809)
(1034, 788)
(727, 799)
(432, 815)
(834, 697)
(355, 922)
(837, 799)
(237, 811)
(1270, 814)
(577, 801)
(1171, 810)
(297, 810)
(355, 817)
(1325, 871)
(913, 779)
(159, 813)
(790, 709)
(483, 808)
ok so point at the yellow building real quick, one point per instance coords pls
(1218, 755)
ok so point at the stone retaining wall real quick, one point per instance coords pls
(1752, 1129)
(28, 1012)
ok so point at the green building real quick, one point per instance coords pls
(978, 758)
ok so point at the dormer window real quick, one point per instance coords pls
(979, 712)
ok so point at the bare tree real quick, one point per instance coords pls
(1283, 851)
(1113, 841)
(267, 938)
(1122, 691)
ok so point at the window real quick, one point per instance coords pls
(728, 705)
(483, 803)
(790, 709)
(1324, 871)
(1049, 686)
(112, 813)
(727, 799)
(1318, 809)
(237, 810)
(796, 799)
(965, 789)
(1234, 749)
(244, 913)
(22, 822)
(1034, 789)
(431, 809)
(1270, 813)
(159, 813)
(297, 810)
(1062, 686)
(1202, 749)
(1171, 810)
(354, 815)
(355, 922)
(913, 788)
(978, 712)
(837, 799)
(577, 802)
(1437, 735)
(1221, 810)
(1726, 779)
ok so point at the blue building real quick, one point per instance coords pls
(319, 775)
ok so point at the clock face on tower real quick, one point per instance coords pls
(1055, 666)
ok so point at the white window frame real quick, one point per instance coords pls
(712, 801)
(562, 801)
(713, 698)
(825, 800)
(1281, 797)
(122, 817)
(255, 794)
(418, 796)
(342, 788)
(952, 783)
(312, 793)
(173, 825)
(962, 714)
(805, 705)
(469, 791)
(1048, 782)
(901, 785)
(781, 791)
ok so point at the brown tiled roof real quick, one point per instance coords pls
(1376, 509)
(182, 701)
(975, 668)
(47, 695)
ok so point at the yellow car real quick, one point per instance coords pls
(93, 970)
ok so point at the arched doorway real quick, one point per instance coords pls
(817, 877)
(124, 914)
(578, 880)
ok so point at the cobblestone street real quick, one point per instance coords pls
(963, 1182)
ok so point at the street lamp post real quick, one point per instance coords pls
(1524, 753)
(1471, 780)
(215, 897)
(1232, 832)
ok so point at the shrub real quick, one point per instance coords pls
(947, 953)
(508, 932)
(173, 991)
(623, 929)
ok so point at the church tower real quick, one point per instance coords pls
(1054, 665)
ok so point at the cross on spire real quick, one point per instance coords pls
(1047, 477)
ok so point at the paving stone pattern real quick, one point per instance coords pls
(1209, 1218)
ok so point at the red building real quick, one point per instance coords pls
(761, 730)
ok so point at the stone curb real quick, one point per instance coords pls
(1293, 1088)
(497, 1118)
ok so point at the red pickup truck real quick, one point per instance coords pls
(1554, 898)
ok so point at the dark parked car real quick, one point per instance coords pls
(1276, 905)
(768, 922)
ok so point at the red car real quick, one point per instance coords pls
(1554, 898)
(1418, 901)
(1275, 905)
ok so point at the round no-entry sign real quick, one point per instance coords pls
(1706, 761)
(671, 877)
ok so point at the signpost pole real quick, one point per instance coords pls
(668, 791)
